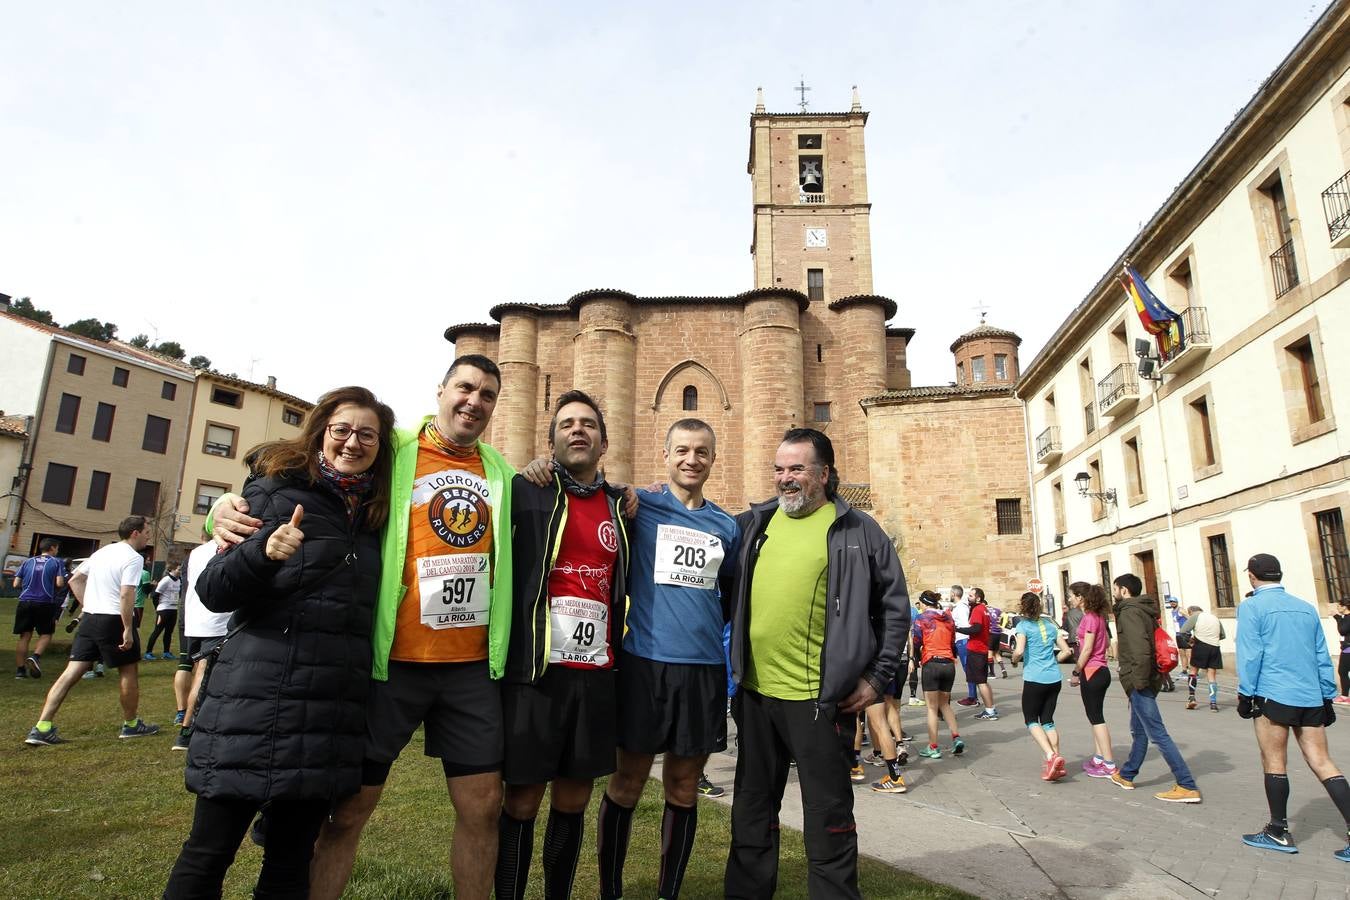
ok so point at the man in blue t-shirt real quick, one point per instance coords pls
(672, 673)
(42, 577)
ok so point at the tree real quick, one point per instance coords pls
(24, 307)
(171, 349)
(199, 362)
(140, 341)
(93, 328)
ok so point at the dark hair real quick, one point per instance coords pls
(824, 451)
(691, 425)
(1094, 597)
(129, 526)
(48, 544)
(976, 595)
(1131, 583)
(1030, 606)
(299, 455)
(931, 595)
(575, 396)
(478, 361)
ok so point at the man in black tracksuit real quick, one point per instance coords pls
(820, 618)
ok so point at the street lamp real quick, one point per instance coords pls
(1084, 481)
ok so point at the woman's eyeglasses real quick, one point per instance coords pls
(341, 431)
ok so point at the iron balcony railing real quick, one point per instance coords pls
(1194, 332)
(1047, 443)
(1285, 268)
(1122, 382)
(1336, 206)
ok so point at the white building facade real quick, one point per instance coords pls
(1233, 447)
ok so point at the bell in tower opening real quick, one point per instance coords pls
(810, 178)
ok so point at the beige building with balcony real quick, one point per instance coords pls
(109, 428)
(1229, 446)
(229, 417)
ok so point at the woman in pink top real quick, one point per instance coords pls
(1092, 672)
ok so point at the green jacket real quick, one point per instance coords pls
(394, 551)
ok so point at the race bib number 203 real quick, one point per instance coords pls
(687, 557)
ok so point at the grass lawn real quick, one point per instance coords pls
(99, 817)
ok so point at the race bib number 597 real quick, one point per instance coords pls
(454, 590)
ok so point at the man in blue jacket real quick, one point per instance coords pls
(1285, 681)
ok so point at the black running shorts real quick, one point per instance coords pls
(674, 708)
(39, 617)
(98, 638)
(1205, 656)
(977, 668)
(1294, 716)
(561, 726)
(459, 704)
(939, 673)
(199, 648)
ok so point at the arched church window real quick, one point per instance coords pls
(690, 398)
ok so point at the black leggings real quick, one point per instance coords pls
(218, 827)
(1343, 669)
(168, 618)
(1038, 702)
(1094, 693)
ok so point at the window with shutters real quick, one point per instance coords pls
(156, 438)
(220, 440)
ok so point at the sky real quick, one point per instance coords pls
(315, 190)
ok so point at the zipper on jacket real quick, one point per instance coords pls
(540, 664)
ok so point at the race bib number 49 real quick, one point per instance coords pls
(454, 589)
(579, 632)
(687, 557)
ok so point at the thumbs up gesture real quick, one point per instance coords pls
(288, 538)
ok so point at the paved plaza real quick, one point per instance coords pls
(985, 822)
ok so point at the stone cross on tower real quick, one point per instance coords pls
(802, 89)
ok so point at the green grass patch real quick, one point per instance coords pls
(99, 817)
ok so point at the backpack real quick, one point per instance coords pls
(1165, 652)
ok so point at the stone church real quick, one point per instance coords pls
(808, 344)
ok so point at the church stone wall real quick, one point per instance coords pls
(937, 468)
(771, 393)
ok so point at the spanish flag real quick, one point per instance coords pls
(1157, 319)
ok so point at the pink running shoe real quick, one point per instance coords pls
(1092, 769)
(1056, 768)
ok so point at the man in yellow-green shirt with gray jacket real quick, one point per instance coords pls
(819, 624)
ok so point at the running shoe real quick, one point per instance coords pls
(902, 756)
(33, 666)
(43, 738)
(1343, 855)
(1121, 782)
(1213, 707)
(185, 735)
(958, 747)
(917, 701)
(168, 656)
(876, 759)
(1058, 769)
(179, 716)
(906, 737)
(857, 775)
(705, 787)
(988, 716)
(930, 753)
(967, 701)
(149, 657)
(889, 785)
(140, 729)
(21, 674)
(1048, 769)
(1267, 839)
(1190, 704)
(1179, 794)
(1345, 699)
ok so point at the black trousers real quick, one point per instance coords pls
(772, 733)
(167, 620)
(218, 827)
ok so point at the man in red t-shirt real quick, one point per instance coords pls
(559, 706)
(977, 653)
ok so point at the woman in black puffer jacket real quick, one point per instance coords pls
(281, 719)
